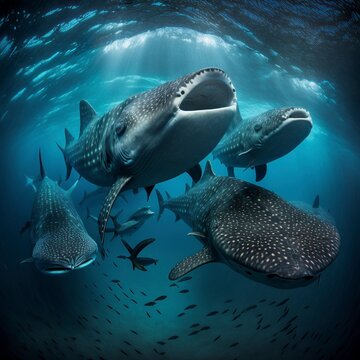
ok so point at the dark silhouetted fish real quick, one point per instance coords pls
(134, 332)
(142, 293)
(185, 291)
(234, 344)
(194, 325)
(228, 301)
(180, 114)
(205, 328)
(150, 303)
(264, 138)
(138, 262)
(226, 215)
(212, 313)
(283, 302)
(217, 338)
(225, 311)
(181, 314)
(160, 298)
(194, 332)
(61, 242)
(174, 337)
(161, 342)
(192, 306)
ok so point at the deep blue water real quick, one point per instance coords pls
(277, 54)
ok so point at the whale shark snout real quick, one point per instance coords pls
(56, 255)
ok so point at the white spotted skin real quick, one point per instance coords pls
(253, 230)
(150, 137)
(264, 138)
(58, 234)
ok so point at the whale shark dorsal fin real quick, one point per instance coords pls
(195, 173)
(316, 202)
(204, 256)
(208, 172)
(42, 170)
(260, 171)
(87, 114)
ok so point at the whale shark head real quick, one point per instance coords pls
(163, 132)
(64, 252)
(276, 132)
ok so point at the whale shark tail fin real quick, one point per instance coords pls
(68, 139)
(161, 203)
(42, 170)
(316, 202)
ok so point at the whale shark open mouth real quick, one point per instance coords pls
(62, 269)
(209, 89)
(297, 113)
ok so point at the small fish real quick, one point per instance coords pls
(138, 351)
(234, 344)
(194, 332)
(183, 291)
(217, 338)
(262, 300)
(173, 285)
(134, 301)
(124, 352)
(161, 342)
(142, 293)
(110, 307)
(285, 346)
(132, 292)
(225, 311)
(109, 321)
(228, 301)
(148, 314)
(162, 353)
(127, 343)
(117, 298)
(158, 311)
(194, 325)
(192, 306)
(117, 312)
(212, 313)
(282, 302)
(236, 317)
(205, 328)
(238, 325)
(95, 317)
(272, 302)
(305, 335)
(114, 263)
(185, 278)
(265, 327)
(251, 307)
(134, 332)
(181, 314)
(155, 350)
(174, 337)
(159, 298)
(151, 303)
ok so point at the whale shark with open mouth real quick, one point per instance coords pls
(152, 136)
(257, 141)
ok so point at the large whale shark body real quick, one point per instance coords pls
(153, 136)
(264, 138)
(61, 242)
(253, 231)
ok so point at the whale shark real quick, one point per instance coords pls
(253, 231)
(152, 136)
(264, 138)
(61, 242)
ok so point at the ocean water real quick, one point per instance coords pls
(277, 54)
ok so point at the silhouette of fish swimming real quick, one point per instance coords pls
(152, 136)
(253, 231)
(256, 141)
(61, 243)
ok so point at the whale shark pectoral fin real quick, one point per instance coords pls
(26, 226)
(204, 256)
(199, 236)
(260, 171)
(107, 206)
(231, 171)
(195, 172)
(28, 260)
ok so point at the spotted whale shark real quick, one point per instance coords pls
(152, 136)
(61, 242)
(264, 138)
(253, 231)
